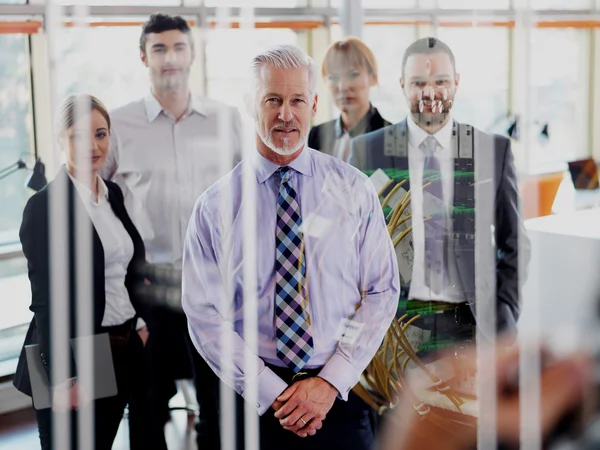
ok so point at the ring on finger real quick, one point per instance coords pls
(303, 421)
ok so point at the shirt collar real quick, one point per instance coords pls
(154, 108)
(416, 134)
(86, 193)
(199, 106)
(359, 128)
(265, 169)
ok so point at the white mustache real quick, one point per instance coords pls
(285, 125)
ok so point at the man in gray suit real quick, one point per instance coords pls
(458, 180)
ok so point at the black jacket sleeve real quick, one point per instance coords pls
(34, 236)
(512, 244)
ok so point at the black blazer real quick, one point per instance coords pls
(35, 240)
(322, 137)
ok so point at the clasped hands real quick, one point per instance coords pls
(302, 407)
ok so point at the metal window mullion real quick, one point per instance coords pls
(595, 94)
(299, 14)
(30, 80)
(42, 102)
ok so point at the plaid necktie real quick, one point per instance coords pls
(436, 274)
(294, 342)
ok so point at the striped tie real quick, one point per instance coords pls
(294, 342)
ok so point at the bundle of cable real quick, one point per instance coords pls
(384, 380)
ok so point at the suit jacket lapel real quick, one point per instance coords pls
(98, 266)
(118, 208)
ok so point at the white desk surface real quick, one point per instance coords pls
(568, 199)
(560, 297)
(585, 224)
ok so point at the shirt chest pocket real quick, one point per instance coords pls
(331, 237)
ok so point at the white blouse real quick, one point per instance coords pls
(118, 252)
(341, 147)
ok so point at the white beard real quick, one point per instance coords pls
(285, 150)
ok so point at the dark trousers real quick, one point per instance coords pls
(170, 355)
(347, 425)
(206, 384)
(451, 327)
(128, 364)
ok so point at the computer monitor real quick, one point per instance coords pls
(584, 173)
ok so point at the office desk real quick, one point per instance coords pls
(561, 297)
(568, 199)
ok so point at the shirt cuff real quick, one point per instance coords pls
(140, 324)
(270, 386)
(341, 375)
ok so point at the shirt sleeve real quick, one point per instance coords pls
(205, 304)
(380, 286)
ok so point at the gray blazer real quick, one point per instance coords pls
(496, 269)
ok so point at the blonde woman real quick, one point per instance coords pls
(117, 255)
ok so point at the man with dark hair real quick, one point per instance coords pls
(464, 202)
(159, 23)
(166, 149)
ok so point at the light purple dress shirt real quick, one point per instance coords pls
(348, 253)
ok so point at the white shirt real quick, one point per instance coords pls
(416, 161)
(118, 251)
(341, 148)
(163, 165)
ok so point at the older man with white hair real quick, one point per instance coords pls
(327, 277)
